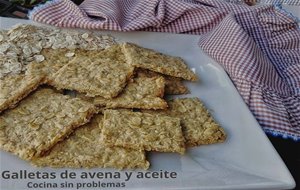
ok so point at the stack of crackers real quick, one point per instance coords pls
(119, 110)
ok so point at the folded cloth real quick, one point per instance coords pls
(259, 47)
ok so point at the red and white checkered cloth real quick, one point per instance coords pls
(259, 46)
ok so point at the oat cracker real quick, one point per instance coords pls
(40, 121)
(104, 74)
(197, 124)
(158, 62)
(138, 130)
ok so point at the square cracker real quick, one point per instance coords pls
(197, 124)
(86, 149)
(138, 130)
(104, 74)
(149, 59)
(40, 121)
(141, 92)
(173, 85)
(14, 88)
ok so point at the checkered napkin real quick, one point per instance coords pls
(259, 47)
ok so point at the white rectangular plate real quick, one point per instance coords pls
(247, 160)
